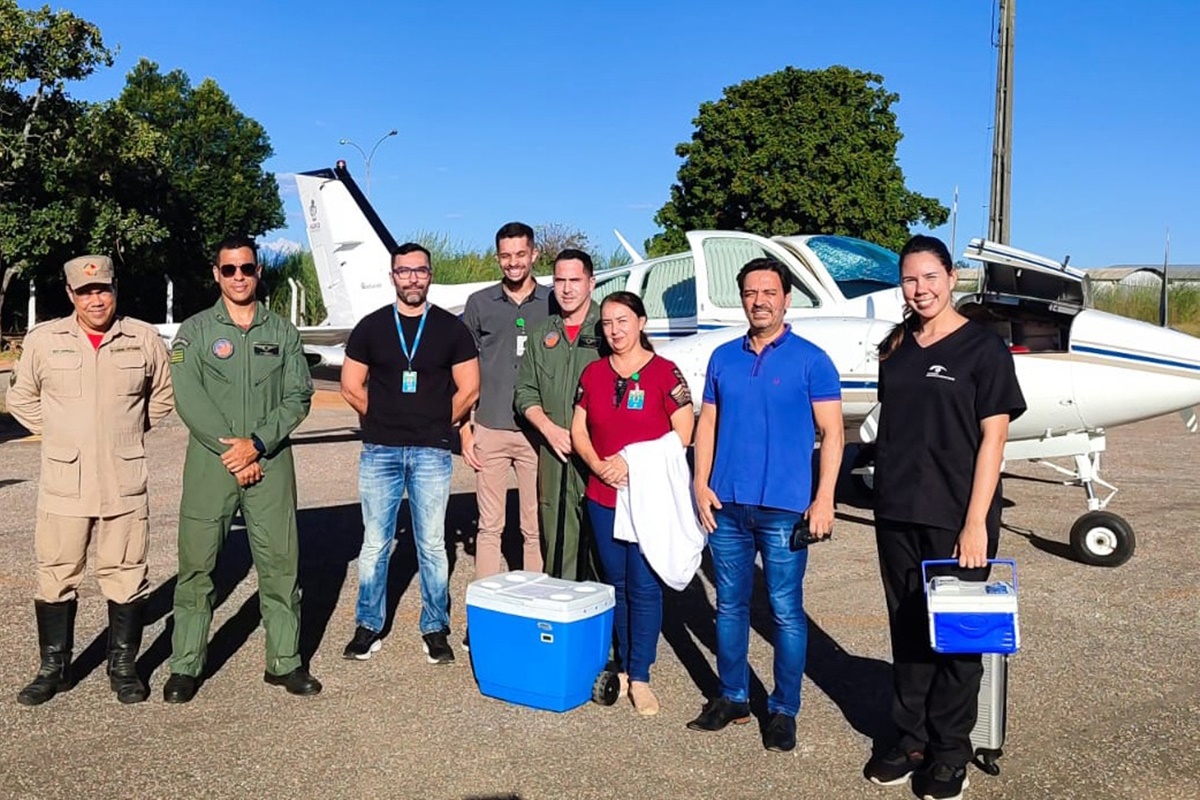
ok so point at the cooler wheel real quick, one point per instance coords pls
(986, 760)
(606, 688)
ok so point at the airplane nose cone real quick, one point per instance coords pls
(1124, 370)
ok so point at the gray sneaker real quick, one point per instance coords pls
(437, 648)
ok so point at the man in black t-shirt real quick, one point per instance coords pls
(418, 367)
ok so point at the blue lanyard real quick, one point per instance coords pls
(416, 341)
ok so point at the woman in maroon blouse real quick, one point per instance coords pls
(631, 396)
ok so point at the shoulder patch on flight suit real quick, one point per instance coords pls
(222, 348)
(178, 347)
(550, 339)
(266, 349)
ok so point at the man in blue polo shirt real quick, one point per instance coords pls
(754, 441)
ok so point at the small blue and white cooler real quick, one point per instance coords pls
(541, 641)
(972, 616)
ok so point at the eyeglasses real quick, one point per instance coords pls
(405, 272)
(619, 391)
(248, 270)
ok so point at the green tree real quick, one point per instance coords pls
(64, 165)
(153, 179)
(796, 151)
(212, 183)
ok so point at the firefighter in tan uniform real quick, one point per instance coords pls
(91, 384)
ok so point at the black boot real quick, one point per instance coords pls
(56, 639)
(124, 639)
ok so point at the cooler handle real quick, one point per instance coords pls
(1012, 564)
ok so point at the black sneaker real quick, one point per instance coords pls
(893, 767)
(940, 782)
(437, 648)
(363, 645)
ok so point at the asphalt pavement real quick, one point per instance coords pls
(1104, 696)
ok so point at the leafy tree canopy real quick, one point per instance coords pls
(796, 151)
(154, 178)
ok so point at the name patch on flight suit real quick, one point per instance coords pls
(590, 342)
(266, 349)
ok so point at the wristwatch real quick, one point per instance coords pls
(258, 444)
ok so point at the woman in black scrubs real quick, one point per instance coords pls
(948, 389)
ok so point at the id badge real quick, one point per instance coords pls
(521, 344)
(408, 381)
(637, 400)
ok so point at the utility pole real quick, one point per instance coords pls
(1001, 196)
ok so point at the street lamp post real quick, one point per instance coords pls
(368, 156)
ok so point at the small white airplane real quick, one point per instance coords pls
(1082, 371)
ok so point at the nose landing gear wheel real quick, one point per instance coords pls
(1102, 539)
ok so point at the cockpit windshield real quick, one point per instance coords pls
(856, 266)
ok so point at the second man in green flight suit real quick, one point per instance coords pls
(555, 356)
(242, 387)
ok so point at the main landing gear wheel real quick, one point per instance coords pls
(1102, 539)
(606, 688)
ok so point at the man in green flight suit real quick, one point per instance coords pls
(247, 387)
(557, 352)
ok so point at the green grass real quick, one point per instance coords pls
(1141, 302)
(454, 263)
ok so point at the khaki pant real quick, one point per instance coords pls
(61, 544)
(500, 451)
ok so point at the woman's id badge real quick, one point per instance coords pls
(637, 400)
(408, 381)
(521, 344)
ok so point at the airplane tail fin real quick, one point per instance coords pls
(351, 247)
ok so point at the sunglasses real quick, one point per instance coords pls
(619, 391)
(248, 270)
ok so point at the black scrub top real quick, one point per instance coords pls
(933, 399)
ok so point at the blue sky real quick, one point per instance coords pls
(563, 112)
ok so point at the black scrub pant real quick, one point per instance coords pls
(935, 696)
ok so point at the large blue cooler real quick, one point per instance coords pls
(537, 640)
(972, 616)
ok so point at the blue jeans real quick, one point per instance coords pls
(742, 531)
(383, 475)
(637, 617)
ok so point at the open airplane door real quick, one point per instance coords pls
(719, 255)
(1032, 302)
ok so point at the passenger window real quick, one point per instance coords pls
(609, 285)
(669, 290)
(726, 257)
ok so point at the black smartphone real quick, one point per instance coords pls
(802, 537)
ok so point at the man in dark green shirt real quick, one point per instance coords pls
(247, 387)
(555, 355)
